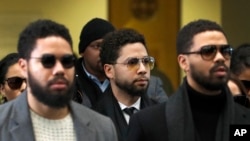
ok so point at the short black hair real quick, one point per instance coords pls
(5, 63)
(240, 59)
(41, 28)
(114, 41)
(186, 34)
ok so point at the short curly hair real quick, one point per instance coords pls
(186, 34)
(240, 59)
(114, 41)
(41, 28)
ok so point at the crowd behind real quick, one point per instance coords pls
(114, 90)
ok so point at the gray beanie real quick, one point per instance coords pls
(93, 30)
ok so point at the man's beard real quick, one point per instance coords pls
(131, 89)
(210, 82)
(55, 99)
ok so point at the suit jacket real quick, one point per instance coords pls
(110, 107)
(155, 89)
(16, 124)
(173, 120)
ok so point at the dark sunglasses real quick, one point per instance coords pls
(134, 62)
(242, 99)
(15, 82)
(246, 83)
(208, 52)
(49, 60)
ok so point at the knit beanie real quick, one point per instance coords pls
(93, 30)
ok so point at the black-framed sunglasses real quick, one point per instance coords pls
(49, 60)
(208, 52)
(15, 82)
(246, 83)
(134, 62)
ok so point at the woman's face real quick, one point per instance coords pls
(8, 92)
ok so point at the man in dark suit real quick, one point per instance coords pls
(127, 65)
(202, 109)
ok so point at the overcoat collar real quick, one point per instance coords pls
(180, 121)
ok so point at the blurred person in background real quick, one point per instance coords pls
(240, 64)
(12, 81)
(238, 91)
(91, 82)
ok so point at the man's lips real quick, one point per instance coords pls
(59, 84)
(142, 81)
(221, 71)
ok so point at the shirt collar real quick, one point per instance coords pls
(136, 105)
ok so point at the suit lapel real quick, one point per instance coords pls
(21, 126)
(179, 117)
(116, 115)
(83, 128)
(83, 131)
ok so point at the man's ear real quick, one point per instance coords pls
(23, 64)
(109, 70)
(183, 62)
(2, 90)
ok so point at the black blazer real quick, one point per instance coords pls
(110, 107)
(148, 124)
(173, 121)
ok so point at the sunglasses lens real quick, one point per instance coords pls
(246, 83)
(132, 62)
(148, 61)
(48, 60)
(68, 61)
(15, 82)
(208, 52)
(226, 51)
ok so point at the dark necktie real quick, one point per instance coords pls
(130, 111)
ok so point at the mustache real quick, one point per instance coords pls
(58, 78)
(219, 65)
(141, 78)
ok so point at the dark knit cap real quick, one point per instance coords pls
(93, 30)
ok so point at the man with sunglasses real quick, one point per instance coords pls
(127, 65)
(240, 67)
(45, 111)
(202, 109)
